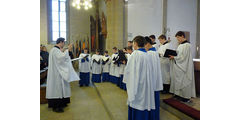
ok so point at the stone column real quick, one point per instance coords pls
(115, 24)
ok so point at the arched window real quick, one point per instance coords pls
(57, 25)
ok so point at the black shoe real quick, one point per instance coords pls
(65, 105)
(58, 110)
(185, 100)
(80, 85)
(164, 92)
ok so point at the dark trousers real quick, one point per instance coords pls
(58, 103)
(166, 87)
(84, 78)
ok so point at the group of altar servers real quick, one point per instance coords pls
(104, 68)
(141, 69)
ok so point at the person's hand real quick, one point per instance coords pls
(124, 62)
(70, 47)
(171, 57)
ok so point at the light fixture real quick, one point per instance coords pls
(90, 5)
(73, 4)
(82, 3)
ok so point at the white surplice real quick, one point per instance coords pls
(96, 68)
(157, 45)
(60, 74)
(112, 66)
(156, 66)
(182, 72)
(84, 66)
(106, 66)
(165, 67)
(138, 79)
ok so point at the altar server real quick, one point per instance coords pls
(130, 44)
(156, 74)
(121, 62)
(106, 61)
(60, 74)
(84, 68)
(155, 42)
(96, 67)
(165, 67)
(138, 79)
(129, 51)
(112, 66)
(182, 76)
(127, 54)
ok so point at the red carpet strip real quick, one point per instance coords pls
(183, 108)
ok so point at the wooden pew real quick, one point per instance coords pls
(197, 75)
(43, 77)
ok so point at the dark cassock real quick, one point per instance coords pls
(182, 72)
(96, 68)
(60, 74)
(156, 78)
(106, 61)
(84, 69)
(140, 89)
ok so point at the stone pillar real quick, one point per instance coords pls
(115, 24)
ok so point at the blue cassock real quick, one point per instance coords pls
(105, 77)
(96, 78)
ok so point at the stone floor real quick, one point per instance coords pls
(104, 101)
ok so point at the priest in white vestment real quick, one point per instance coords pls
(138, 79)
(182, 76)
(156, 74)
(84, 68)
(165, 67)
(60, 74)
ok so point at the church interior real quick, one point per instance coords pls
(104, 24)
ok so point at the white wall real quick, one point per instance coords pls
(182, 16)
(144, 18)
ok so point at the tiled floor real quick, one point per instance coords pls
(105, 102)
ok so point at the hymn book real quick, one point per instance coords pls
(170, 52)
